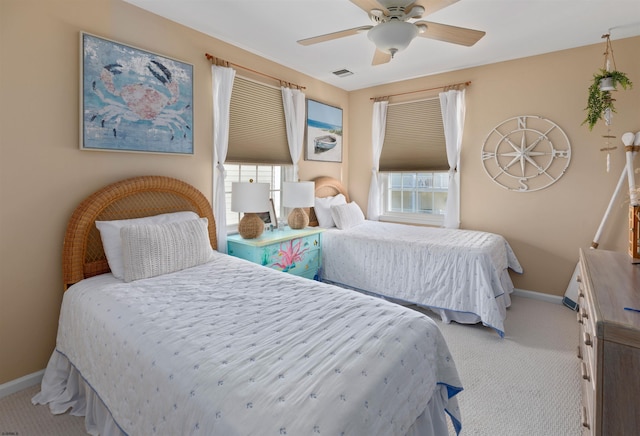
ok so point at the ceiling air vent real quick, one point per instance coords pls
(342, 73)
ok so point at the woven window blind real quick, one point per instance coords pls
(414, 138)
(257, 129)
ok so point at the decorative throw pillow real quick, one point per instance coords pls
(322, 208)
(155, 249)
(110, 235)
(347, 215)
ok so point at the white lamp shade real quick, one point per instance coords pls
(393, 36)
(250, 197)
(298, 194)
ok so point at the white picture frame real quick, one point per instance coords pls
(269, 217)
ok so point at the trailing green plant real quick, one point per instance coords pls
(599, 101)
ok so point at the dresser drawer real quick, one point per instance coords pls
(587, 410)
(587, 345)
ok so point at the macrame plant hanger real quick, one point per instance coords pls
(608, 115)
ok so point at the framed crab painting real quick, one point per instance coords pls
(134, 100)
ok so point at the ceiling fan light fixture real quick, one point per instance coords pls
(393, 36)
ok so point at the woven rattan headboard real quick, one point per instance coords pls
(326, 187)
(83, 255)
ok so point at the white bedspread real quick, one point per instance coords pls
(231, 348)
(455, 270)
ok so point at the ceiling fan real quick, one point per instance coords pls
(393, 29)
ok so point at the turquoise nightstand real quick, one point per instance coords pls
(297, 252)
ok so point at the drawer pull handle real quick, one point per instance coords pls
(579, 352)
(585, 418)
(585, 314)
(587, 339)
(579, 318)
(585, 371)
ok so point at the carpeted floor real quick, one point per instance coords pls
(526, 384)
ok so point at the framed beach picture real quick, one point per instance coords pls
(324, 132)
(133, 100)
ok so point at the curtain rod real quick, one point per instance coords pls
(223, 63)
(445, 87)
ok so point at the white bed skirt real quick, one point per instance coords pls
(64, 389)
(502, 302)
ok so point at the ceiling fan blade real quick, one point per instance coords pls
(380, 57)
(368, 5)
(334, 35)
(431, 6)
(453, 34)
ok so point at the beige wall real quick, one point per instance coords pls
(44, 175)
(545, 228)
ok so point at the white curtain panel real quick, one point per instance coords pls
(453, 111)
(222, 84)
(378, 127)
(294, 114)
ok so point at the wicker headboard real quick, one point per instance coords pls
(326, 187)
(83, 255)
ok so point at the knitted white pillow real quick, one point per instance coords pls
(347, 215)
(110, 235)
(322, 208)
(155, 249)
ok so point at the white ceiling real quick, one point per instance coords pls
(514, 29)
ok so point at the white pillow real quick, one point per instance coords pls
(347, 215)
(151, 250)
(110, 235)
(322, 208)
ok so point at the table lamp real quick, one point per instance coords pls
(250, 198)
(298, 195)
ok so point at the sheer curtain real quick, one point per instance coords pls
(453, 111)
(378, 126)
(294, 114)
(222, 84)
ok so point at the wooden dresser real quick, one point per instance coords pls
(609, 343)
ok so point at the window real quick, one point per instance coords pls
(257, 126)
(419, 197)
(272, 174)
(258, 147)
(413, 163)
(414, 138)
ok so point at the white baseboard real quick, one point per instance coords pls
(555, 299)
(21, 383)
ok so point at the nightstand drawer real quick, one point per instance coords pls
(293, 256)
(309, 267)
(295, 252)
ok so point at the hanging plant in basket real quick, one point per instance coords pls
(600, 99)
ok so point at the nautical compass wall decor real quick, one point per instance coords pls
(526, 153)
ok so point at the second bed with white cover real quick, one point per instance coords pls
(461, 274)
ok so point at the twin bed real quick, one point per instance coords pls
(216, 345)
(460, 274)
